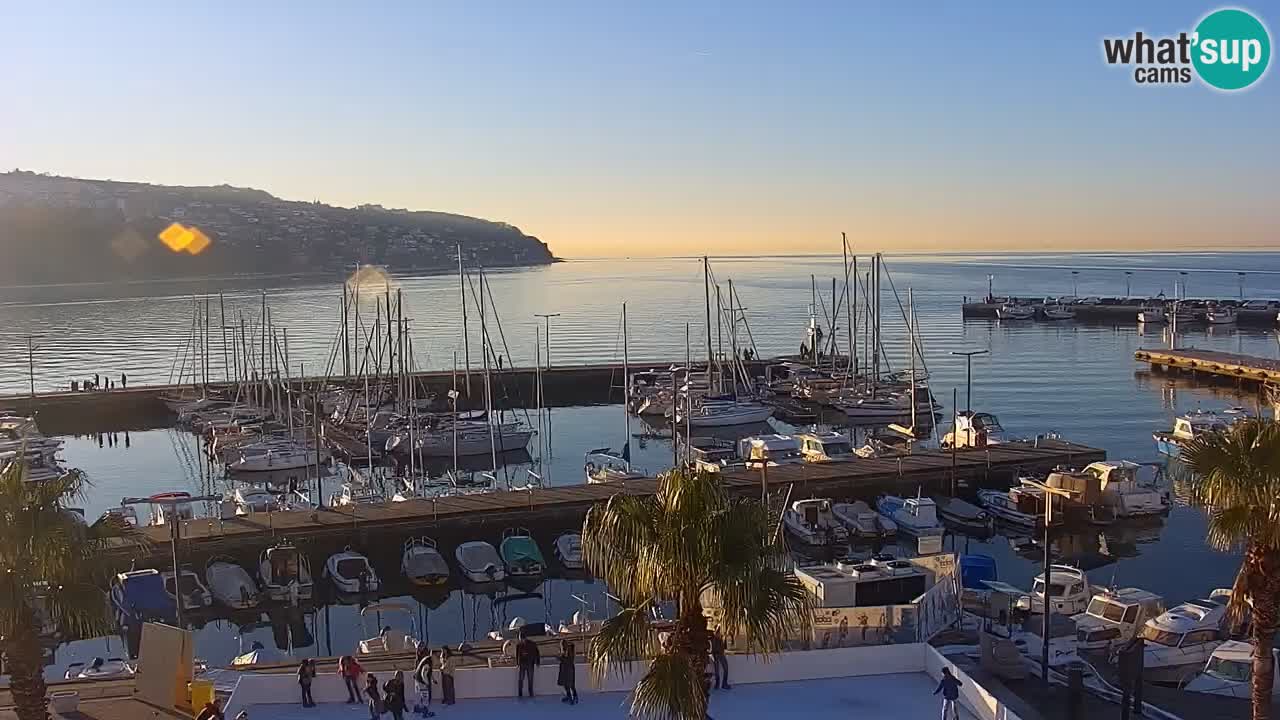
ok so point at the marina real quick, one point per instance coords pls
(1212, 364)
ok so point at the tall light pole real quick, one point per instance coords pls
(1183, 275)
(1128, 277)
(991, 293)
(1075, 288)
(547, 317)
(1240, 277)
(968, 375)
(1049, 492)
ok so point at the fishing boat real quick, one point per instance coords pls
(1125, 493)
(568, 549)
(1186, 428)
(479, 562)
(285, 573)
(913, 515)
(1015, 311)
(1221, 315)
(812, 522)
(1069, 588)
(862, 521)
(1114, 617)
(1229, 672)
(520, 554)
(187, 585)
(1180, 641)
(230, 585)
(604, 465)
(717, 413)
(422, 563)
(825, 446)
(1004, 507)
(962, 515)
(1057, 312)
(351, 573)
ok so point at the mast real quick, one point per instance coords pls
(813, 319)
(626, 389)
(719, 337)
(853, 320)
(848, 306)
(466, 340)
(488, 381)
(733, 339)
(706, 291)
(453, 397)
(835, 348)
(911, 349)
(346, 346)
(875, 320)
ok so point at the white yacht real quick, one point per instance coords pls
(1006, 508)
(1186, 428)
(351, 573)
(975, 430)
(709, 454)
(1229, 672)
(1180, 641)
(1015, 311)
(285, 573)
(1114, 617)
(1152, 315)
(568, 549)
(862, 521)
(422, 563)
(1069, 587)
(356, 493)
(479, 562)
(604, 465)
(230, 584)
(890, 405)
(719, 413)
(825, 446)
(913, 515)
(275, 456)
(473, 438)
(250, 500)
(812, 522)
(1125, 493)
(1221, 315)
(775, 449)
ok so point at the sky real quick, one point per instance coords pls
(656, 128)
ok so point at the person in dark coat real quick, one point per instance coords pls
(375, 697)
(306, 673)
(527, 659)
(565, 678)
(394, 690)
(949, 686)
(718, 661)
(446, 676)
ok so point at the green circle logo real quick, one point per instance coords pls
(1232, 49)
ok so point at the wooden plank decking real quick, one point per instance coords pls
(1212, 362)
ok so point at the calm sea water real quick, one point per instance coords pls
(1075, 378)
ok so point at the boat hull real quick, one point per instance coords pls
(1166, 445)
(472, 444)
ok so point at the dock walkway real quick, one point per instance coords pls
(1245, 368)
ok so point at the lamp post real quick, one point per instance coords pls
(1128, 277)
(1049, 492)
(1075, 288)
(991, 293)
(547, 317)
(170, 504)
(1183, 274)
(968, 375)
(1240, 278)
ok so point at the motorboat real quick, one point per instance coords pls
(1069, 587)
(1057, 312)
(1125, 493)
(422, 563)
(568, 549)
(1229, 672)
(604, 465)
(973, 429)
(479, 562)
(100, 669)
(891, 405)
(473, 438)
(275, 457)
(167, 507)
(812, 522)
(389, 640)
(726, 414)
(351, 573)
(825, 446)
(1007, 509)
(249, 500)
(1220, 315)
(230, 584)
(520, 554)
(963, 515)
(284, 573)
(772, 449)
(187, 585)
(356, 493)
(1187, 428)
(1015, 311)
(1063, 646)
(1152, 315)
(1180, 641)
(862, 521)
(913, 515)
(1114, 617)
(139, 596)
(709, 454)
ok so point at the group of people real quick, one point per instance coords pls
(528, 657)
(100, 383)
(390, 697)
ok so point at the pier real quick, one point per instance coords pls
(1115, 311)
(1228, 366)
(458, 518)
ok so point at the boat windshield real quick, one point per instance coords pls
(837, 447)
(186, 582)
(1057, 589)
(1161, 637)
(1108, 610)
(1230, 670)
(352, 567)
(284, 566)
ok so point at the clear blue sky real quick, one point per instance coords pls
(639, 128)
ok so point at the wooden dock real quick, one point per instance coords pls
(467, 517)
(1241, 368)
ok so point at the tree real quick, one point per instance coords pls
(688, 544)
(48, 559)
(1235, 477)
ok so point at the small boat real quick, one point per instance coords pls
(568, 548)
(1015, 311)
(726, 414)
(1186, 428)
(1070, 590)
(422, 563)
(100, 669)
(285, 573)
(479, 562)
(892, 405)
(1057, 312)
(915, 516)
(709, 454)
(1004, 507)
(276, 456)
(258, 654)
(139, 596)
(1229, 672)
(1221, 315)
(351, 573)
(1114, 617)
(1124, 493)
(188, 585)
(250, 500)
(1152, 315)
(356, 493)
(862, 521)
(974, 429)
(963, 515)
(604, 465)
(230, 584)
(472, 438)
(774, 449)
(825, 446)
(520, 554)
(388, 640)
(812, 522)
(1180, 641)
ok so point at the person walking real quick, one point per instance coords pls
(306, 673)
(423, 678)
(565, 678)
(375, 698)
(124, 381)
(394, 693)
(527, 659)
(949, 686)
(446, 676)
(718, 661)
(350, 671)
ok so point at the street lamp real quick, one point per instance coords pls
(174, 522)
(1049, 492)
(1240, 277)
(968, 375)
(547, 317)
(1183, 275)
(1128, 276)
(991, 293)
(1075, 289)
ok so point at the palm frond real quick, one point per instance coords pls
(673, 689)
(622, 640)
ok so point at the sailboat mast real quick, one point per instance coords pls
(626, 388)
(488, 381)
(466, 340)
(875, 328)
(911, 345)
(848, 305)
(706, 291)
(346, 346)
(733, 339)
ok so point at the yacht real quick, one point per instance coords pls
(1220, 315)
(862, 521)
(1006, 508)
(1070, 589)
(1114, 617)
(568, 549)
(139, 596)
(774, 449)
(356, 493)
(915, 516)
(825, 446)
(891, 405)
(709, 454)
(1152, 315)
(479, 562)
(351, 573)
(973, 429)
(473, 438)
(1057, 312)
(1229, 672)
(1015, 311)
(1186, 428)
(604, 465)
(275, 456)
(230, 584)
(250, 500)
(285, 573)
(812, 522)
(718, 413)
(962, 515)
(422, 563)
(1180, 641)
(520, 554)
(1125, 493)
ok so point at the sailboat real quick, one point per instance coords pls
(602, 464)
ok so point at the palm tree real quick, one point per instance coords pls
(1236, 479)
(688, 544)
(48, 559)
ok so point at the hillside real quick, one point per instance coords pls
(66, 230)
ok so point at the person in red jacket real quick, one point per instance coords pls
(351, 671)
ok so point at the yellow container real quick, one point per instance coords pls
(201, 692)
